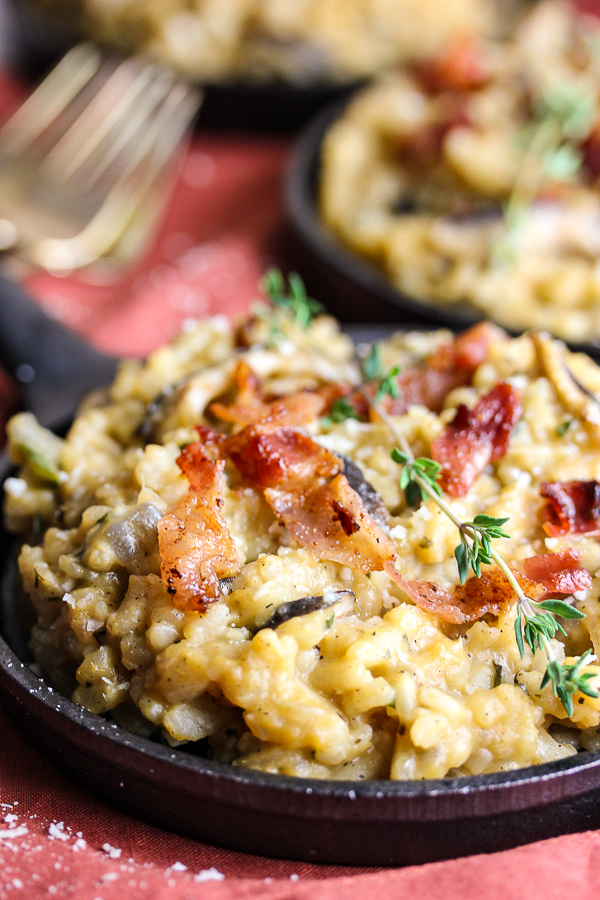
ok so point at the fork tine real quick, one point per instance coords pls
(100, 115)
(130, 188)
(53, 95)
(132, 123)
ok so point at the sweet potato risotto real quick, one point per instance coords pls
(220, 555)
(475, 177)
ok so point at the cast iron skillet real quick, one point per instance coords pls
(357, 290)
(374, 824)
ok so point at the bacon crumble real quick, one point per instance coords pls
(573, 507)
(195, 544)
(476, 437)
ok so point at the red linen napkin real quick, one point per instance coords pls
(57, 839)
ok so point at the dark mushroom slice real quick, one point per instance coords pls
(226, 585)
(372, 500)
(157, 408)
(303, 606)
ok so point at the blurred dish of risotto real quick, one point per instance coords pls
(474, 177)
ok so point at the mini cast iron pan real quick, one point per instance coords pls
(372, 824)
(356, 290)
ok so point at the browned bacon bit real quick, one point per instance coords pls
(469, 349)
(460, 67)
(450, 367)
(281, 458)
(296, 409)
(195, 545)
(476, 437)
(250, 406)
(331, 520)
(559, 573)
(210, 439)
(573, 507)
(544, 576)
(490, 593)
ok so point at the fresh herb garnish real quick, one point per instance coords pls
(564, 426)
(567, 679)
(291, 298)
(416, 474)
(341, 409)
(561, 119)
(475, 546)
(372, 365)
(386, 384)
(535, 623)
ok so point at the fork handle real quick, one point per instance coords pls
(52, 365)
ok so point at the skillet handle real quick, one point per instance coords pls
(53, 367)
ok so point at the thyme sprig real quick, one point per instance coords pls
(341, 409)
(292, 298)
(475, 548)
(535, 624)
(386, 384)
(562, 118)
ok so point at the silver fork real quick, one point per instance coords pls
(85, 163)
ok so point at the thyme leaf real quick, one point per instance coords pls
(292, 298)
(341, 409)
(386, 381)
(567, 679)
(561, 119)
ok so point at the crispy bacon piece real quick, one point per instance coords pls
(491, 593)
(450, 367)
(281, 458)
(559, 573)
(330, 519)
(573, 507)
(195, 545)
(297, 409)
(250, 407)
(460, 67)
(476, 437)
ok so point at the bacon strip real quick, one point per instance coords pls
(195, 545)
(250, 407)
(559, 573)
(461, 66)
(573, 507)
(280, 458)
(450, 367)
(476, 437)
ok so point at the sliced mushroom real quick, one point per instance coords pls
(305, 605)
(372, 500)
(577, 399)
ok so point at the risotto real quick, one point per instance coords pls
(475, 177)
(220, 554)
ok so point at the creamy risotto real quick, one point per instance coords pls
(220, 555)
(475, 177)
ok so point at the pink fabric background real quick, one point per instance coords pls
(58, 840)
